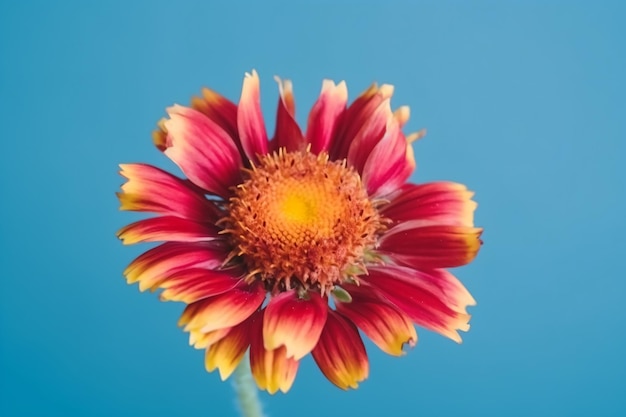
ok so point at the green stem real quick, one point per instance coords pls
(247, 393)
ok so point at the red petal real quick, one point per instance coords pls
(388, 327)
(151, 189)
(389, 164)
(226, 353)
(370, 134)
(221, 111)
(168, 228)
(424, 297)
(340, 353)
(191, 285)
(224, 310)
(288, 134)
(272, 370)
(423, 246)
(294, 322)
(355, 116)
(203, 150)
(156, 265)
(250, 119)
(325, 115)
(443, 203)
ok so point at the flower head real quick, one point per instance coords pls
(264, 233)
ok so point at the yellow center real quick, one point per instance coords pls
(302, 221)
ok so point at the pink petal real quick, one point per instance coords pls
(203, 150)
(168, 228)
(355, 116)
(325, 115)
(421, 296)
(340, 353)
(388, 327)
(221, 111)
(369, 135)
(250, 119)
(288, 134)
(420, 245)
(224, 310)
(294, 322)
(443, 203)
(156, 265)
(388, 166)
(151, 189)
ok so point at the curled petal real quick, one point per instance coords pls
(423, 297)
(420, 245)
(224, 310)
(191, 285)
(369, 135)
(294, 322)
(272, 369)
(355, 116)
(153, 267)
(288, 134)
(390, 163)
(340, 353)
(250, 119)
(325, 115)
(226, 353)
(443, 203)
(388, 327)
(203, 150)
(167, 228)
(153, 190)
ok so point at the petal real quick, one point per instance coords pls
(203, 150)
(200, 340)
(402, 115)
(223, 310)
(340, 353)
(369, 135)
(294, 322)
(153, 190)
(420, 245)
(355, 116)
(325, 115)
(168, 228)
(153, 267)
(272, 369)
(389, 164)
(388, 327)
(219, 109)
(226, 353)
(191, 285)
(288, 134)
(250, 119)
(443, 203)
(420, 295)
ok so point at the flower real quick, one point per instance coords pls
(288, 246)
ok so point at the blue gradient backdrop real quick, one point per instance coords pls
(524, 101)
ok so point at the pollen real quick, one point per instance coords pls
(302, 221)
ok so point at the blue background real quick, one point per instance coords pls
(524, 101)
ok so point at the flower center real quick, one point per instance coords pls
(302, 221)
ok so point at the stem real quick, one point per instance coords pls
(245, 388)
